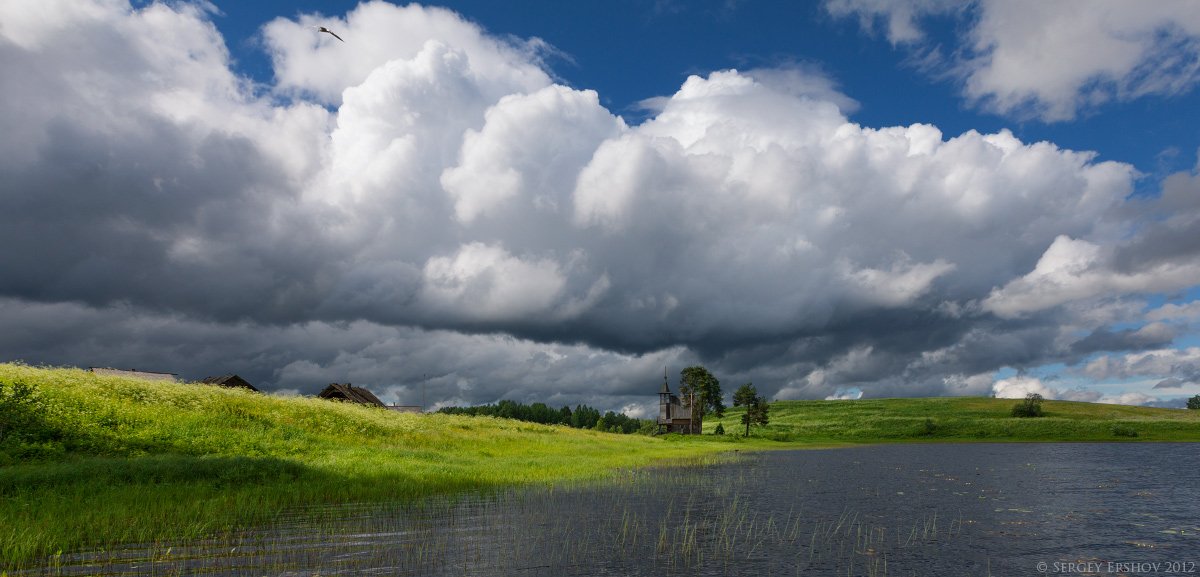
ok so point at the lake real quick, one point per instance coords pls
(926, 509)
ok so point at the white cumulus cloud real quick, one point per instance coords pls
(488, 283)
(531, 145)
(1019, 387)
(1072, 270)
(1053, 60)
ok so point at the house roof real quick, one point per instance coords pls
(665, 388)
(348, 392)
(230, 380)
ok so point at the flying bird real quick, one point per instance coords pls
(330, 32)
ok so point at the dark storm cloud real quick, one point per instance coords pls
(1168, 231)
(400, 364)
(1149, 337)
(162, 222)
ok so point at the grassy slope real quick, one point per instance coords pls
(963, 419)
(110, 460)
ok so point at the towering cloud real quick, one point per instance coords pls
(424, 203)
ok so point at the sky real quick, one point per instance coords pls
(557, 201)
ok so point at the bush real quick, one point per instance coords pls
(24, 434)
(1030, 407)
(720, 430)
(929, 428)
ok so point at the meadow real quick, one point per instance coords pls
(92, 462)
(961, 419)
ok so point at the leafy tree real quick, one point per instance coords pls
(1194, 402)
(1030, 407)
(699, 384)
(756, 406)
(720, 430)
(648, 427)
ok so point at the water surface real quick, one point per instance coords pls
(936, 509)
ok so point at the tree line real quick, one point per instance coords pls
(582, 417)
(697, 386)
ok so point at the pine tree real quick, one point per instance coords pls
(756, 406)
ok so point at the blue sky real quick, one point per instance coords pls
(553, 201)
(635, 49)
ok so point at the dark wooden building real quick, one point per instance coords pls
(673, 415)
(350, 393)
(229, 381)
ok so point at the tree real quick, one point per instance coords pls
(1194, 402)
(756, 406)
(700, 388)
(507, 409)
(542, 413)
(720, 430)
(1030, 407)
(584, 417)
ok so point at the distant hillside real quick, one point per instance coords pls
(963, 419)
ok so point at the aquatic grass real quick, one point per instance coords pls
(681, 520)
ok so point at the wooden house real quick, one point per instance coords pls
(134, 373)
(673, 415)
(229, 381)
(350, 393)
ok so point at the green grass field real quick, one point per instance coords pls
(962, 419)
(89, 461)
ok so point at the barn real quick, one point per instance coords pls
(351, 394)
(229, 381)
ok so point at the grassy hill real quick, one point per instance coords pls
(963, 419)
(92, 461)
